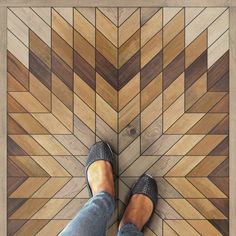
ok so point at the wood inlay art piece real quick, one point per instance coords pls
(153, 82)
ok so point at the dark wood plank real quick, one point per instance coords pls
(147, 13)
(14, 225)
(13, 127)
(40, 70)
(13, 204)
(62, 70)
(222, 149)
(222, 183)
(64, 93)
(196, 69)
(84, 70)
(222, 105)
(222, 85)
(13, 183)
(222, 205)
(13, 105)
(40, 49)
(106, 70)
(17, 70)
(222, 127)
(218, 70)
(151, 70)
(173, 70)
(14, 149)
(129, 69)
(222, 226)
(62, 48)
(14, 170)
(222, 169)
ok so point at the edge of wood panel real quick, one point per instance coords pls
(232, 124)
(3, 120)
(121, 3)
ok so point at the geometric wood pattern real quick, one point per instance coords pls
(153, 82)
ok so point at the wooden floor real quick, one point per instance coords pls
(153, 82)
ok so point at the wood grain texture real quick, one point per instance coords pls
(153, 82)
(62, 48)
(61, 26)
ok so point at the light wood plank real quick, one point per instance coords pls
(191, 13)
(207, 187)
(17, 27)
(185, 188)
(50, 188)
(18, 49)
(49, 164)
(62, 27)
(184, 123)
(169, 13)
(106, 91)
(218, 27)
(106, 27)
(28, 208)
(151, 48)
(151, 27)
(26, 189)
(51, 144)
(62, 112)
(30, 103)
(182, 228)
(50, 209)
(129, 27)
(44, 13)
(41, 92)
(186, 143)
(151, 112)
(29, 145)
(207, 209)
(85, 92)
(171, 93)
(66, 13)
(34, 22)
(129, 91)
(201, 22)
(204, 227)
(185, 165)
(84, 112)
(53, 227)
(185, 209)
(173, 27)
(216, 50)
(53, 125)
(129, 112)
(105, 111)
(175, 111)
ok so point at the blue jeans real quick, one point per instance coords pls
(93, 218)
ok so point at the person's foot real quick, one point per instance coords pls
(142, 202)
(138, 211)
(100, 177)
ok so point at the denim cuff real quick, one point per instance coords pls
(131, 228)
(109, 198)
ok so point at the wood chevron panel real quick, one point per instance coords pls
(151, 81)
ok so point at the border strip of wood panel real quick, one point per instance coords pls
(121, 3)
(3, 123)
(232, 124)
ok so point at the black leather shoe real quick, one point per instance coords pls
(99, 151)
(146, 185)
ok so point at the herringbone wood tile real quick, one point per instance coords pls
(153, 82)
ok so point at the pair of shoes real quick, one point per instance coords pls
(145, 185)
